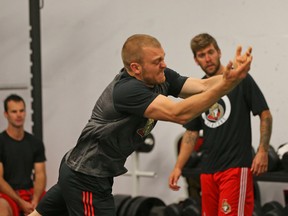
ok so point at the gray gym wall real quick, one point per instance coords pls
(81, 44)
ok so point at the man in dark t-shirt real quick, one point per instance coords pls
(123, 116)
(22, 162)
(227, 164)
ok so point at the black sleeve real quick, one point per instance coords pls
(194, 125)
(254, 96)
(175, 80)
(133, 97)
(1, 147)
(38, 148)
(40, 153)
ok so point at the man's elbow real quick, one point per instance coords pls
(184, 118)
(267, 116)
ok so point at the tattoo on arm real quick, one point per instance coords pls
(265, 131)
(190, 138)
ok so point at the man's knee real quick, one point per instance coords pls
(5, 209)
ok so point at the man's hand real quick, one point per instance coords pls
(173, 179)
(240, 59)
(237, 70)
(260, 163)
(27, 207)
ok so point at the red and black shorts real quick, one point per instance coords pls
(228, 192)
(78, 194)
(24, 194)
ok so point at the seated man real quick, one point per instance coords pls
(22, 163)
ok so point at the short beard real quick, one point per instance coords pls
(213, 72)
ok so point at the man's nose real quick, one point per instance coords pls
(163, 64)
(207, 58)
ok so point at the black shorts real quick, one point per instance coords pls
(78, 194)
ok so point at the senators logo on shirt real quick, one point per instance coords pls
(218, 113)
(147, 128)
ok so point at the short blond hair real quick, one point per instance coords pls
(132, 50)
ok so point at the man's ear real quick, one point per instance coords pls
(135, 67)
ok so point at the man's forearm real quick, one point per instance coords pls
(186, 148)
(265, 130)
(9, 191)
(39, 186)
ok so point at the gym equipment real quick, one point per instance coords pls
(119, 200)
(285, 210)
(191, 207)
(35, 58)
(191, 210)
(147, 145)
(158, 211)
(172, 210)
(125, 207)
(143, 205)
(187, 207)
(273, 208)
(273, 159)
(135, 173)
(257, 211)
(138, 206)
(257, 195)
(284, 161)
(282, 149)
(283, 155)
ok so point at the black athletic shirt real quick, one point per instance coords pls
(18, 158)
(117, 125)
(227, 127)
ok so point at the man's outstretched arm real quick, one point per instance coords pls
(163, 108)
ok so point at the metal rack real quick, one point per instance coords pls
(135, 173)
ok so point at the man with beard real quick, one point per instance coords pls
(123, 116)
(227, 167)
